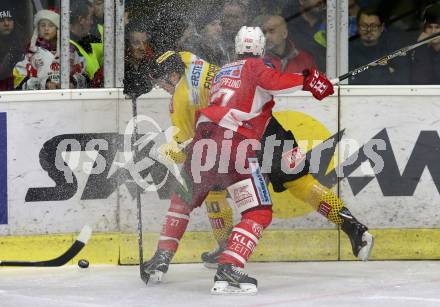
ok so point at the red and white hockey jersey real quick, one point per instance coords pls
(241, 97)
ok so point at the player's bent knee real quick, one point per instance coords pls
(178, 205)
(262, 216)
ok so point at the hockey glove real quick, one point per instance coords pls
(137, 83)
(171, 152)
(317, 83)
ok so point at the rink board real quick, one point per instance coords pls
(400, 206)
(406, 192)
(291, 245)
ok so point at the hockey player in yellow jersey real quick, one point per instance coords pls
(189, 88)
(189, 85)
(188, 79)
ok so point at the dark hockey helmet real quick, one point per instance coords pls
(167, 63)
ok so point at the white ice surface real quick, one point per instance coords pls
(398, 283)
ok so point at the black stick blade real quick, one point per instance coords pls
(76, 247)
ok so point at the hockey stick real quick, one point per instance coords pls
(76, 247)
(144, 276)
(384, 60)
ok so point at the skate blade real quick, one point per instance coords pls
(210, 265)
(156, 276)
(223, 288)
(365, 252)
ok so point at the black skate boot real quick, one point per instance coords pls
(210, 258)
(361, 240)
(231, 279)
(157, 266)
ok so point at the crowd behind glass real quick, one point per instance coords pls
(295, 31)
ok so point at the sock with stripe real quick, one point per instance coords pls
(245, 236)
(175, 224)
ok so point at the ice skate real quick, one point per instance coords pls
(158, 265)
(361, 240)
(210, 258)
(231, 279)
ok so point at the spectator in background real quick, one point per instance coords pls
(40, 68)
(426, 64)
(234, 16)
(207, 39)
(280, 50)
(11, 45)
(272, 7)
(78, 74)
(138, 46)
(97, 30)
(98, 19)
(87, 46)
(138, 56)
(308, 30)
(371, 45)
(189, 34)
(130, 6)
(353, 11)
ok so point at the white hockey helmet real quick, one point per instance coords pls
(250, 40)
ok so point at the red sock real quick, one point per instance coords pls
(245, 236)
(175, 224)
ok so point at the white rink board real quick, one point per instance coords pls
(30, 124)
(404, 116)
(35, 118)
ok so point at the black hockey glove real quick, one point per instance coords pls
(137, 83)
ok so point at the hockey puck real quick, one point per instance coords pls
(83, 263)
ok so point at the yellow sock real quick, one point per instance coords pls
(310, 191)
(220, 215)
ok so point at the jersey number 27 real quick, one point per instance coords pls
(222, 96)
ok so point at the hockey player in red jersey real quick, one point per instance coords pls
(241, 100)
(301, 184)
